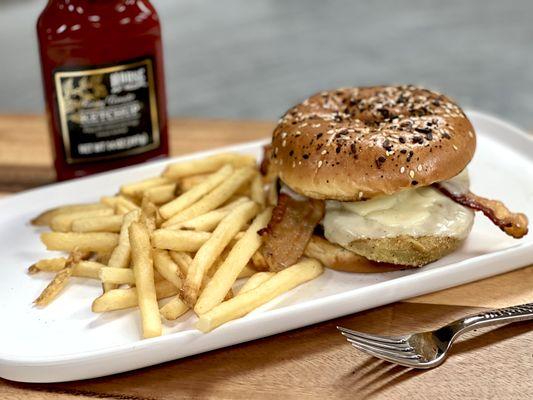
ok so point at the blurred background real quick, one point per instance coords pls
(254, 59)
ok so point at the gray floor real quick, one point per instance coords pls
(253, 59)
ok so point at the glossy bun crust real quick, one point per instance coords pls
(355, 143)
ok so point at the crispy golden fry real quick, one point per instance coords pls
(207, 164)
(255, 280)
(143, 268)
(167, 267)
(48, 265)
(215, 198)
(46, 217)
(174, 309)
(208, 253)
(120, 256)
(242, 304)
(87, 269)
(116, 276)
(136, 189)
(179, 240)
(183, 261)
(54, 287)
(83, 269)
(60, 280)
(119, 299)
(188, 182)
(161, 194)
(246, 272)
(121, 209)
(257, 191)
(192, 195)
(227, 273)
(209, 221)
(149, 215)
(109, 201)
(127, 202)
(90, 241)
(110, 223)
(63, 222)
(258, 262)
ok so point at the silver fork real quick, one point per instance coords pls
(429, 349)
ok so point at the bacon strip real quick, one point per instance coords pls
(514, 224)
(289, 230)
(265, 162)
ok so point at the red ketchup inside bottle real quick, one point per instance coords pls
(102, 70)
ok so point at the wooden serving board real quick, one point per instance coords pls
(313, 362)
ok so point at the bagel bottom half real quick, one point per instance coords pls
(405, 250)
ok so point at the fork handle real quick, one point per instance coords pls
(522, 312)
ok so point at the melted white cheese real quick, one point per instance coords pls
(414, 212)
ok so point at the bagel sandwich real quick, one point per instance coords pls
(374, 179)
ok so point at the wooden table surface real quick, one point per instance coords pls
(312, 362)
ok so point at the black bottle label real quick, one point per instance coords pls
(107, 112)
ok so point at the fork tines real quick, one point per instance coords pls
(392, 349)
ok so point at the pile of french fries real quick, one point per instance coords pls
(173, 243)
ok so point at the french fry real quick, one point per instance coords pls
(257, 191)
(120, 256)
(109, 201)
(127, 202)
(255, 280)
(136, 189)
(90, 241)
(121, 209)
(116, 276)
(119, 299)
(167, 267)
(208, 253)
(110, 223)
(46, 217)
(258, 262)
(149, 215)
(82, 269)
(174, 309)
(183, 261)
(215, 198)
(48, 265)
(246, 272)
(188, 182)
(167, 239)
(143, 268)
(160, 194)
(60, 280)
(54, 287)
(207, 222)
(207, 164)
(63, 222)
(227, 273)
(87, 269)
(244, 303)
(191, 196)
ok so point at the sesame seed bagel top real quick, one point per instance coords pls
(356, 143)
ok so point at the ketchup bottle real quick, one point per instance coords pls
(102, 70)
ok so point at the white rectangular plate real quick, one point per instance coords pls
(66, 341)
